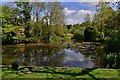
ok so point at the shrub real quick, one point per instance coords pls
(78, 36)
(55, 39)
(90, 34)
(8, 33)
(113, 43)
(112, 60)
(113, 49)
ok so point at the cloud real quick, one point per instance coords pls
(76, 16)
(90, 3)
(98, 0)
(82, 13)
(68, 12)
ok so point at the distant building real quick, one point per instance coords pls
(21, 30)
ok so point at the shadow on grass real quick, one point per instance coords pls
(62, 71)
(54, 71)
(8, 70)
(81, 73)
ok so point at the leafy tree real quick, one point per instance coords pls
(114, 38)
(37, 10)
(87, 20)
(78, 32)
(53, 16)
(105, 18)
(25, 9)
(9, 25)
(9, 32)
(6, 16)
(100, 15)
(112, 56)
(118, 13)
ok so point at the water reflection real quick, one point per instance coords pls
(56, 56)
(41, 56)
(74, 59)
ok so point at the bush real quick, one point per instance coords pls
(90, 34)
(78, 36)
(113, 49)
(55, 39)
(113, 43)
(60, 31)
(8, 33)
(112, 60)
(101, 37)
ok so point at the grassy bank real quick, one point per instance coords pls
(53, 72)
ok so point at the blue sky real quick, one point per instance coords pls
(78, 5)
(76, 11)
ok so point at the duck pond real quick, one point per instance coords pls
(83, 55)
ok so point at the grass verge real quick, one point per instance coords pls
(60, 73)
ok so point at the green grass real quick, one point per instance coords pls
(54, 72)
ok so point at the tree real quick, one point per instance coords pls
(25, 9)
(112, 56)
(40, 20)
(53, 16)
(55, 13)
(87, 20)
(9, 25)
(100, 15)
(37, 9)
(105, 18)
(118, 13)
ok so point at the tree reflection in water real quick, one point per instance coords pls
(49, 55)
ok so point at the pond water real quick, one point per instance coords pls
(58, 55)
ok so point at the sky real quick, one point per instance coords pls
(76, 10)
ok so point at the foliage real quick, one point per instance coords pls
(24, 9)
(60, 31)
(8, 33)
(9, 15)
(55, 39)
(104, 19)
(44, 22)
(78, 32)
(113, 44)
(40, 21)
(112, 60)
(78, 36)
(112, 57)
(37, 8)
(36, 29)
(90, 34)
(54, 13)
(87, 20)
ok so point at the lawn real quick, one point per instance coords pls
(60, 73)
